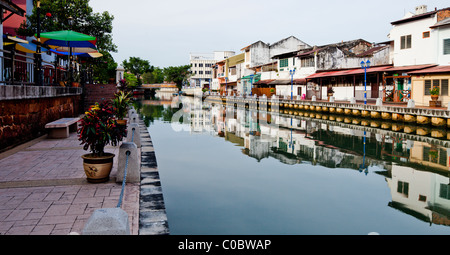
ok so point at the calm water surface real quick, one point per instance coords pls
(231, 171)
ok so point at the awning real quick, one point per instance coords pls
(354, 71)
(263, 82)
(436, 69)
(301, 81)
(280, 82)
(255, 77)
(409, 68)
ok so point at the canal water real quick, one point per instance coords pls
(230, 170)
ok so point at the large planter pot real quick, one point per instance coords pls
(122, 122)
(97, 168)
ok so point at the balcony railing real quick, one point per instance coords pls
(19, 69)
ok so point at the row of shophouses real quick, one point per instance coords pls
(414, 59)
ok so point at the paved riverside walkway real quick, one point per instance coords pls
(43, 189)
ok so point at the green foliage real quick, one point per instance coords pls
(156, 76)
(120, 103)
(104, 68)
(99, 128)
(74, 15)
(177, 74)
(137, 66)
(131, 80)
(435, 91)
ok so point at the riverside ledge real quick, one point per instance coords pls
(152, 212)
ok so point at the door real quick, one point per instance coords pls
(374, 87)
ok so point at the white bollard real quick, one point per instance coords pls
(132, 166)
(107, 221)
(136, 138)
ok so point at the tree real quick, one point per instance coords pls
(177, 74)
(131, 80)
(104, 68)
(74, 15)
(156, 76)
(137, 66)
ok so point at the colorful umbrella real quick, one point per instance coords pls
(67, 38)
(28, 47)
(92, 54)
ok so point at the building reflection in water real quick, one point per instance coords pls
(416, 171)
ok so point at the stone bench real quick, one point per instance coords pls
(61, 128)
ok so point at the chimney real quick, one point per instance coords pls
(421, 9)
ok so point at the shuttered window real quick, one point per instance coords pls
(405, 42)
(284, 62)
(442, 84)
(446, 46)
(444, 87)
(427, 87)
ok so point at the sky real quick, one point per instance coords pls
(166, 32)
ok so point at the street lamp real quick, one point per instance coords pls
(365, 65)
(292, 72)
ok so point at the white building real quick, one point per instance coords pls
(415, 40)
(201, 67)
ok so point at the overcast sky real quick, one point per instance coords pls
(166, 32)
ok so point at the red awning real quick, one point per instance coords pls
(263, 82)
(354, 71)
(408, 68)
(435, 69)
(300, 81)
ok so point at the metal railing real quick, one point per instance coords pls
(20, 69)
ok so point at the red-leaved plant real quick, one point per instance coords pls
(99, 128)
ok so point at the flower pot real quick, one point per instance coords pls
(97, 168)
(122, 122)
(434, 97)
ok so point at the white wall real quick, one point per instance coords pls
(441, 34)
(422, 51)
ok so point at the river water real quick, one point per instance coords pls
(230, 170)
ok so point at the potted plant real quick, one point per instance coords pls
(97, 129)
(120, 103)
(434, 93)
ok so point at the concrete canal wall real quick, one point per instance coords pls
(402, 114)
(152, 212)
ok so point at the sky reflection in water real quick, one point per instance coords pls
(212, 186)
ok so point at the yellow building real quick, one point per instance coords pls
(422, 81)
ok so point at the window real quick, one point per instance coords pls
(427, 87)
(444, 87)
(307, 62)
(405, 42)
(284, 62)
(200, 72)
(426, 34)
(422, 198)
(200, 65)
(403, 188)
(446, 46)
(442, 84)
(444, 191)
